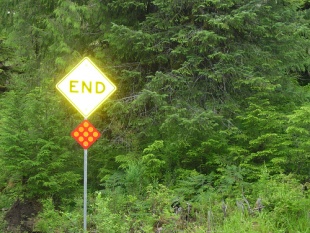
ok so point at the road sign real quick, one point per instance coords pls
(85, 134)
(86, 87)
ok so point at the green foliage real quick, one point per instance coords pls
(284, 207)
(33, 146)
(284, 201)
(107, 220)
(152, 160)
(51, 220)
(6, 54)
(192, 184)
(298, 155)
(121, 213)
(264, 135)
(209, 94)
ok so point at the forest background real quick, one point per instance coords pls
(207, 132)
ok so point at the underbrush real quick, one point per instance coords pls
(276, 204)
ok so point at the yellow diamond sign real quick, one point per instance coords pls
(86, 87)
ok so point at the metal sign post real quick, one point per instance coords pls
(85, 134)
(85, 190)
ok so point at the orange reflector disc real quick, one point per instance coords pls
(85, 134)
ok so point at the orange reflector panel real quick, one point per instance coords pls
(85, 134)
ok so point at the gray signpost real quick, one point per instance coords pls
(85, 192)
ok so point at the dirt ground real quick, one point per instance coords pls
(20, 217)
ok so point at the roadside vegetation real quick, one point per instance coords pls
(207, 132)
